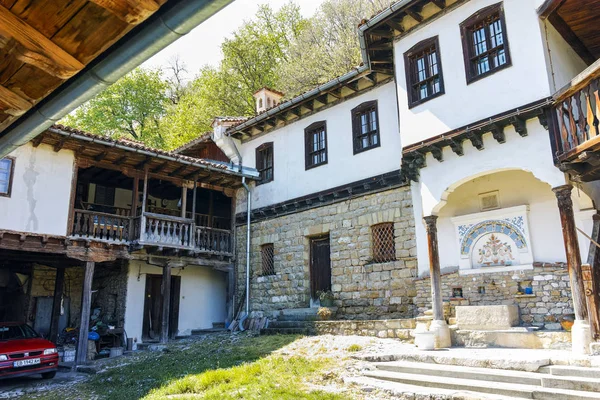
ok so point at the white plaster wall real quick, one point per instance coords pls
(524, 174)
(563, 62)
(41, 191)
(524, 82)
(291, 178)
(202, 302)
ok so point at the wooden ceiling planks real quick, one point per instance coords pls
(582, 16)
(43, 43)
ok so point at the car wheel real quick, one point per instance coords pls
(49, 375)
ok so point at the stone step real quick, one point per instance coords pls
(290, 324)
(504, 389)
(449, 371)
(572, 383)
(573, 371)
(287, 331)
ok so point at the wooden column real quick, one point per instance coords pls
(144, 202)
(59, 284)
(434, 268)
(211, 209)
(183, 201)
(166, 303)
(592, 286)
(567, 220)
(135, 196)
(194, 199)
(86, 304)
(73, 198)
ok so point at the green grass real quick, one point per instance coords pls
(219, 368)
(354, 348)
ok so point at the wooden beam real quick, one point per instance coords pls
(16, 104)
(121, 160)
(86, 304)
(131, 11)
(178, 170)
(143, 164)
(59, 145)
(414, 14)
(549, 7)
(36, 49)
(101, 156)
(381, 45)
(37, 141)
(159, 167)
(439, 3)
(396, 25)
(59, 283)
(565, 31)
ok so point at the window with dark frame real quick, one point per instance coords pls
(267, 259)
(264, 162)
(384, 244)
(365, 127)
(315, 140)
(104, 195)
(423, 66)
(7, 166)
(485, 44)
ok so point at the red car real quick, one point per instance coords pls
(23, 352)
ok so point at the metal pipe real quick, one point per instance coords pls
(168, 24)
(249, 204)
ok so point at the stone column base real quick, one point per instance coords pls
(442, 334)
(581, 337)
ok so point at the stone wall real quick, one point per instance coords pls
(392, 328)
(550, 301)
(362, 289)
(109, 288)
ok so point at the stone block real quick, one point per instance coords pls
(487, 317)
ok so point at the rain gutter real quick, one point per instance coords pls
(172, 21)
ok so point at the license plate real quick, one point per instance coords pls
(24, 363)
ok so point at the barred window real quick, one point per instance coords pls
(485, 46)
(423, 72)
(384, 246)
(266, 254)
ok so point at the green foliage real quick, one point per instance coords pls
(354, 348)
(132, 107)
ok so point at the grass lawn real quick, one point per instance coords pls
(221, 367)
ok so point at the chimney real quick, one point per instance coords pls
(266, 98)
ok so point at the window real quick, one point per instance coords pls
(365, 127)
(384, 246)
(264, 162)
(423, 72)
(104, 195)
(315, 140)
(485, 46)
(7, 166)
(266, 255)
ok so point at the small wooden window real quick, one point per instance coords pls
(264, 162)
(315, 141)
(365, 127)
(384, 244)
(267, 255)
(7, 166)
(104, 195)
(485, 44)
(424, 80)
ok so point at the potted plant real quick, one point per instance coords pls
(326, 298)
(324, 313)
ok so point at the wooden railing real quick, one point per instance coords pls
(213, 240)
(100, 226)
(577, 108)
(152, 229)
(165, 230)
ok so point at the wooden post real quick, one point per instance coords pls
(434, 268)
(567, 220)
(211, 208)
(86, 303)
(593, 284)
(166, 303)
(144, 202)
(59, 283)
(135, 196)
(183, 201)
(73, 199)
(194, 199)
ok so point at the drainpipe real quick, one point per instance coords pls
(249, 204)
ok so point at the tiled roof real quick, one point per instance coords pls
(136, 145)
(270, 90)
(205, 137)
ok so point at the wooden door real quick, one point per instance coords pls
(320, 266)
(153, 307)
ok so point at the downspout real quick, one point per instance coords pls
(249, 204)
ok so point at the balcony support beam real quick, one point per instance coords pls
(86, 304)
(183, 201)
(144, 202)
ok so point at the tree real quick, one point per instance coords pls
(132, 107)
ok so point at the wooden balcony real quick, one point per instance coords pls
(153, 230)
(576, 131)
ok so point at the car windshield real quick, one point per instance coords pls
(13, 332)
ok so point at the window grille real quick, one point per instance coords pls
(384, 244)
(267, 255)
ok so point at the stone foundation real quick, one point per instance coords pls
(392, 328)
(362, 289)
(549, 302)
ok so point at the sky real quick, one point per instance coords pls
(202, 45)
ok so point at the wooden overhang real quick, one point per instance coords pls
(398, 20)
(576, 21)
(132, 158)
(334, 92)
(43, 44)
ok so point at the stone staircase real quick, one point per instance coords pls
(299, 321)
(448, 381)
